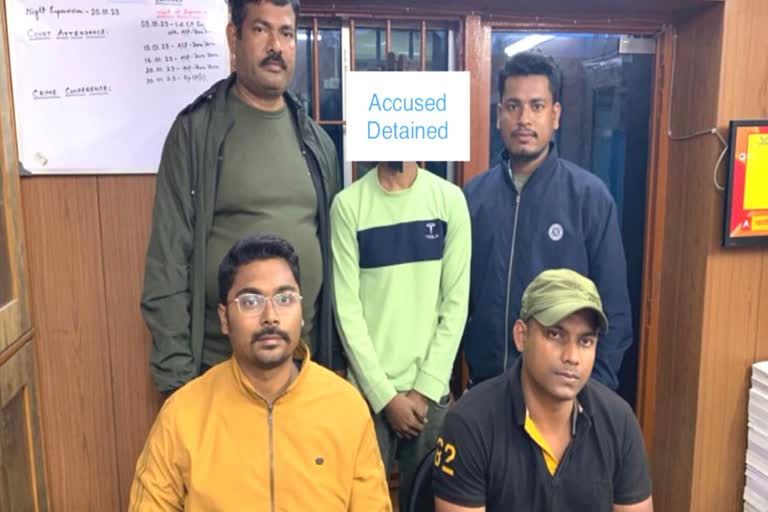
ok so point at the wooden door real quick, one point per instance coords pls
(22, 471)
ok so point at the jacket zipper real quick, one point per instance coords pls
(509, 284)
(270, 423)
(271, 461)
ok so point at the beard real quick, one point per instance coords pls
(273, 358)
(526, 156)
(270, 363)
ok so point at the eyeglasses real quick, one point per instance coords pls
(254, 303)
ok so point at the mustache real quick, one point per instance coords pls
(269, 331)
(528, 132)
(274, 57)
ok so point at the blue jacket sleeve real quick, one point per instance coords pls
(608, 269)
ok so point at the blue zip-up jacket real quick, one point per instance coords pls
(564, 217)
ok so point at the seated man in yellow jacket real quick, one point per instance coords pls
(267, 429)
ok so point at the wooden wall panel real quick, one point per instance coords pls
(714, 320)
(68, 301)
(728, 347)
(734, 293)
(744, 77)
(761, 341)
(683, 266)
(125, 210)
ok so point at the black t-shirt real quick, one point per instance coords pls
(486, 458)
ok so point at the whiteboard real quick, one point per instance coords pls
(98, 83)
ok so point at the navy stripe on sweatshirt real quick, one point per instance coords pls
(407, 242)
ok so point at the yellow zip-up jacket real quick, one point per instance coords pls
(217, 446)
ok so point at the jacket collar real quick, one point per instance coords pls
(541, 173)
(218, 93)
(216, 98)
(301, 359)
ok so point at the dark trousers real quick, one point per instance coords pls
(408, 452)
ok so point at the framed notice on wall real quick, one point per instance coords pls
(746, 200)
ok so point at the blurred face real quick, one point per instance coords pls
(558, 360)
(527, 116)
(395, 166)
(262, 339)
(265, 50)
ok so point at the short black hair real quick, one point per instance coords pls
(532, 63)
(237, 10)
(255, 248)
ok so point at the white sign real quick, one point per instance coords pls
(97, 83)
(407, 116)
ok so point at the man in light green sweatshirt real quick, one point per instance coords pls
(401, 245)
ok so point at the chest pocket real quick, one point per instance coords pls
(407, 242)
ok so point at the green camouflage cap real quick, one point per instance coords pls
(559, 293)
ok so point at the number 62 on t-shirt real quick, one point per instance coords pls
(445, 453)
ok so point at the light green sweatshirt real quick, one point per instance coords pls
(401, 283)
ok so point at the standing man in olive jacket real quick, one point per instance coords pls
(243, 158)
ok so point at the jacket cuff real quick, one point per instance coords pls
(429, 386)
(168, 381)
(380, 395)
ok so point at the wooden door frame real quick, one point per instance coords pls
(655, 218)
(15, 316)
(478, 47)
(19, 377)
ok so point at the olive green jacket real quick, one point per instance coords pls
(173, 300)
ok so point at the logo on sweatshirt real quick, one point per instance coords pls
(431, 234)
(555, 232)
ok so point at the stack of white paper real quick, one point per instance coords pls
(756, 490)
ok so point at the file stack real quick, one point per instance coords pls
(756, 489)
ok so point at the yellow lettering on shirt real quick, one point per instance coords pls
(445, 453)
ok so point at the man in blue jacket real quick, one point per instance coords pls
(535, 211)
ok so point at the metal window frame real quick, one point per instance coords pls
(348, 25)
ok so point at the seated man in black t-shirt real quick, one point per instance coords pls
(543, 436)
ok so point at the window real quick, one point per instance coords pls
(328, 111)
(366, 43)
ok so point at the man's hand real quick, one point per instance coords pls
(403, 417)
(420, 403)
